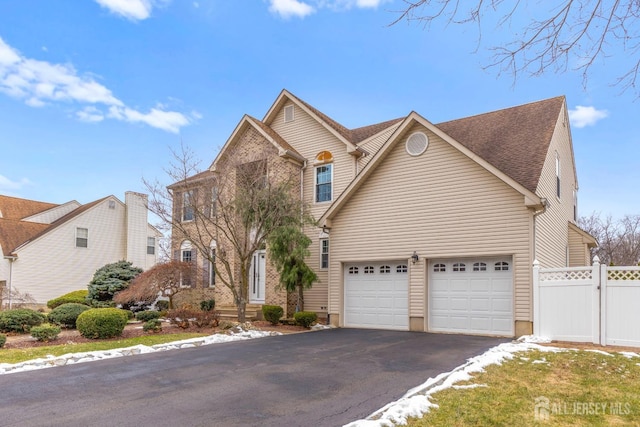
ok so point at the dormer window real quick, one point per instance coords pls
(324, 177)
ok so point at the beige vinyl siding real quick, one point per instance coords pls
(52, 265)
(441, 205)
(373, 144)
(137, 229)
(578, 251)
(551, 226)
(309, 138)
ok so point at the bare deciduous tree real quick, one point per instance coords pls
(557, 35)
(618, 241)
(166, 279)
(237, 206)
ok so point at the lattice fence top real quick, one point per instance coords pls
(565, 275)
(622, 273)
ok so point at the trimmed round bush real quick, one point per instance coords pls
(153, 325)
(272, 313)
(98, 323)
(20, 320)
(305, 318)
(65, 315)
(77, 297)
(145, 316)
(45, 332)
(3, 340)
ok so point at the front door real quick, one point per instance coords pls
(257, 278)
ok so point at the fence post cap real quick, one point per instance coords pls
(536, 263)
(596, 260)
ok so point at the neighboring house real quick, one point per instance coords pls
(422, 227)
(49, 250)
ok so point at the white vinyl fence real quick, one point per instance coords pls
(597, 304)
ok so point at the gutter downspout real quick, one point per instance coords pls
(11, 259)
(535, 215)
(304, 167)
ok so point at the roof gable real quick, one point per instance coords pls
(512, 144)
(515, 140)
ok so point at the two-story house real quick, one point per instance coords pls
(427, 227)
(49, 249)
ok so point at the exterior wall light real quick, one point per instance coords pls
(414, 257)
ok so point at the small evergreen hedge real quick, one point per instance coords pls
(20, 320)
(305, 318)
(153, 325)
(145, 316)
(99, 323)
(3, 340)
(45, 332)
(207, 305)
(77, 297)
(65, 315)
(272, 313)
(162, 305)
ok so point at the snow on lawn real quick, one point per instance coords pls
(71, 358)
(417, 401)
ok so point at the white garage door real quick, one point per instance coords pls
(472, 296)
(377, 295)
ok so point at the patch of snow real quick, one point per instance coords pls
(319, 327)
(417, 401)
(463, 387)
(72, 358)
(629, 354)
(537, 362)
(534, 339)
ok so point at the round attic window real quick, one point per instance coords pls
(417, 143)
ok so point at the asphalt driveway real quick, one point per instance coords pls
(325, 378)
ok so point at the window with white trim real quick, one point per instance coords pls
(385, 269)
(212, 270)
(82, 237)
(353, 270)
(188, 201)
(369, 269)
(575, 205)
(479, 266)
(324, 178)
(186, 255)
(459, 267)
(324, 253)
(439, 268)
(151, 245)
(402, 268)
(502, 266)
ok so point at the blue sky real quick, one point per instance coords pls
(95, 93)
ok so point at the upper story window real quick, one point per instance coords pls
(82, 237)
(324, 177)
(557, 175)
(575, 205)
(151, 245)
(188, 203)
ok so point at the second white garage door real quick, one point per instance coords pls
(377, 295)
(473, 296)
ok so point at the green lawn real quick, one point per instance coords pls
(577, 388)
(21, 355)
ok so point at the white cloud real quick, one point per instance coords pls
(6, 184)
(130, 9)
(90, 114)
(39, 83)
(170, 121)
(586, 116)
(288, 8)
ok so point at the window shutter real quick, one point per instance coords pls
(176, 255)
(205, 273)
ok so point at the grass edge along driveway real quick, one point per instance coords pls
(524, 384)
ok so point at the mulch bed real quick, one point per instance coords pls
(132, 330)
